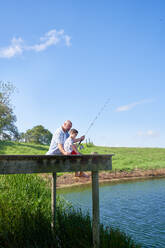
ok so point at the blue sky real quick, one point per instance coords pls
(67, 57)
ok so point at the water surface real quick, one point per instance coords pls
(137, 208)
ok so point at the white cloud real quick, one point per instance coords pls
(148, 133)
(67, 40)
(14, 49)
(53, 37)
(132, 105)
(17, 47)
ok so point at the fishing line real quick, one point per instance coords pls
(96, 117)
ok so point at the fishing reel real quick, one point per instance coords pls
(81, 147)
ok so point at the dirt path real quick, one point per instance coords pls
(69, 180)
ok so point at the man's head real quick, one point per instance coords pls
(73, 133)
(67, 125)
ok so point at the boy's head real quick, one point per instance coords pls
(73, 133)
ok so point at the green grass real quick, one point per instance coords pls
(124, 159)
(131, 158)
(10, 147)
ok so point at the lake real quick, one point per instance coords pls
(135, 207)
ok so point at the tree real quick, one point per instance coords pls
(38, 135)
(8, 130)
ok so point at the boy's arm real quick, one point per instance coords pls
(79, 139)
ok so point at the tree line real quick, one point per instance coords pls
(8, 129)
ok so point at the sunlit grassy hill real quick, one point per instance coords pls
(124, 159)
(10, 147)
(133, 158)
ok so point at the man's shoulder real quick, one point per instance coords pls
(58, 130)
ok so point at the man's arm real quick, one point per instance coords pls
(60, 147)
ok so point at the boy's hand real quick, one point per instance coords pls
(82, 137)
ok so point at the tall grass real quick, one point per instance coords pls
(25, 219)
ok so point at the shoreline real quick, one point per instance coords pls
(69, 180)
(115, 180)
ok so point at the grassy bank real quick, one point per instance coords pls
(131, 158)
(10, 147)
(124, 159)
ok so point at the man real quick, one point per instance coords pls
(59, 137)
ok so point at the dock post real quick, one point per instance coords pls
(53, 196)
(95, 207)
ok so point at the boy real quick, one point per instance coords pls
(69, 147)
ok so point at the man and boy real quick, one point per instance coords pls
(63, 143)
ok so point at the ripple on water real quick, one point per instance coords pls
(138, 208)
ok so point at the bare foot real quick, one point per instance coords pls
(82, 174)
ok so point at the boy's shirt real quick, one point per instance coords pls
(68, 145)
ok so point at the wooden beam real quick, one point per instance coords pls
(53, 195)
(95, 208)
(22, 164)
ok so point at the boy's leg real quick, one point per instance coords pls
(74, 153)
(82, 174)
(76, 173)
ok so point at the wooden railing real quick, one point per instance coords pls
(27, 164)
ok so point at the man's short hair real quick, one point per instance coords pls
(68, 121)
(73, 131)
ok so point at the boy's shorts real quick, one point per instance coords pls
(74, 153)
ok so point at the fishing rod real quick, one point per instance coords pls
(96, 117)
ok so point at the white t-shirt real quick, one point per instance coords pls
(68, 145)
(59, 137)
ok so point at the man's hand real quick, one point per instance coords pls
(66, 153)
(60, 147)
